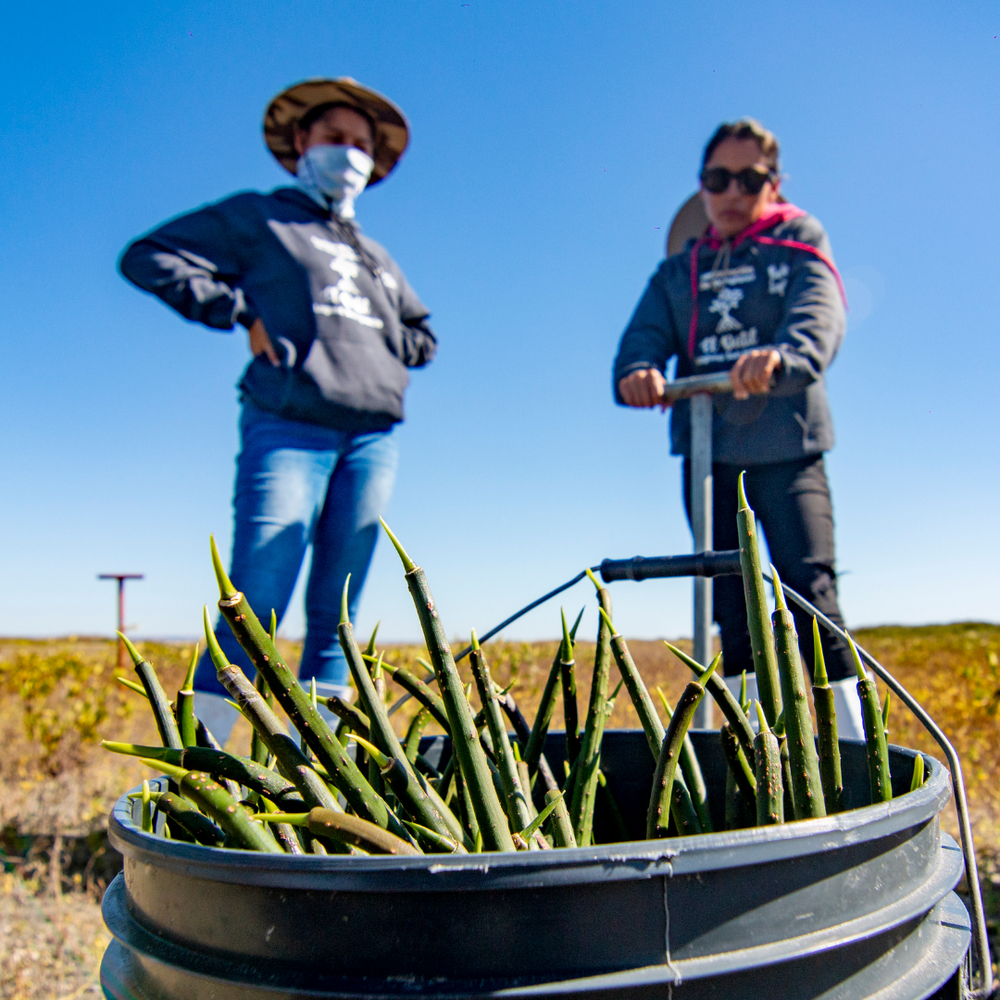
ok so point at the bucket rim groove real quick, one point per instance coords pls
(929, 972)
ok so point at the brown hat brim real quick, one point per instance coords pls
(690, 222)
(392, 131)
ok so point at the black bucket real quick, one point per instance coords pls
(852, 906)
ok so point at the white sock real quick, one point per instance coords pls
(735, 683)
(847, 703)
(218, 716)
(326, 690)
(331, 720)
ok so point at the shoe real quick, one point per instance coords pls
(326, 690)
(216, 714)
(735, 683)
(847, 704)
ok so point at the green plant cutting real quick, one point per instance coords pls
(358, 788)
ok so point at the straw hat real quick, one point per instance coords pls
(690, 222)
(392, 131)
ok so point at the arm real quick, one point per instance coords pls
(648, 342)
(189, 264)
(419, 341)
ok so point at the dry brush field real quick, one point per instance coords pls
(59, 698)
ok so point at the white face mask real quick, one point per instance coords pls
(334, 176)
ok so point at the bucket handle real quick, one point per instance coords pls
(723, 563)
(980, 940)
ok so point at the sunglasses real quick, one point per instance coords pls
(750, 179)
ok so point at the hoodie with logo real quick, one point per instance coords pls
(772, 286)
(337, 308)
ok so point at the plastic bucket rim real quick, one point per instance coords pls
(669, 855)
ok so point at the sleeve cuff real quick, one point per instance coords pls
(636, 366)
(242, 313)
(794, 375)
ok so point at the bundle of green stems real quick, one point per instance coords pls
(360, 788)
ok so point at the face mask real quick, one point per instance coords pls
(334, 176)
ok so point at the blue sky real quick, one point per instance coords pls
(552, 143)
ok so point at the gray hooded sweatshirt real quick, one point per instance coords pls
(336, 306)
(773, 285)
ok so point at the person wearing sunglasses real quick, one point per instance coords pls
(757, 294)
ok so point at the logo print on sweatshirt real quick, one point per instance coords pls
(714, 280)
(727, 347)
(344, 298)
(777, 278)
(723, 304)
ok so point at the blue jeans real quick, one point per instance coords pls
(296, 484)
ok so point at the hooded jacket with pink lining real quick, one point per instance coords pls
(773, 285)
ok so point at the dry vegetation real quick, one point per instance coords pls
(58, 698)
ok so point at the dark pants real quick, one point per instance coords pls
(792, 502)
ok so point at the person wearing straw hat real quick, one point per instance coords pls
(333, 327)
(754, 291)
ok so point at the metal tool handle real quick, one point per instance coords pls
(980, 938)
(693, 385)
(699, 389)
